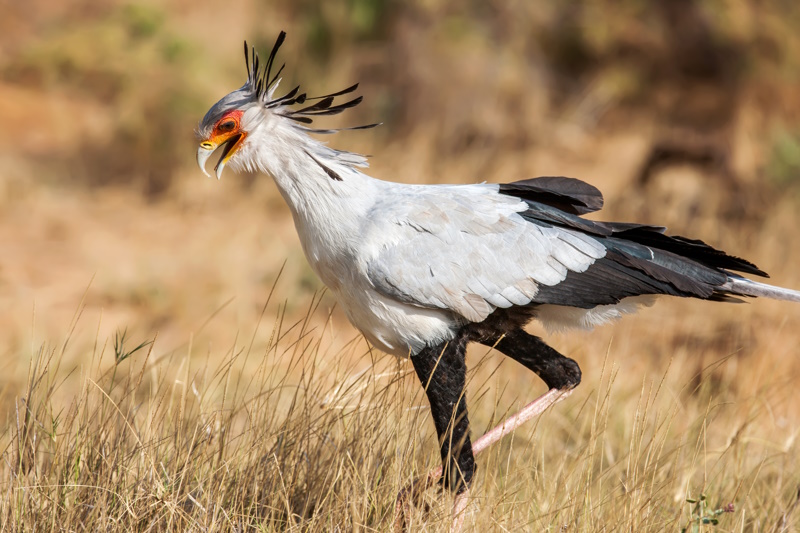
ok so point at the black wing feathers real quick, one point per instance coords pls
(567, 194)
(640, 259)
(581, 289)
(695, 249)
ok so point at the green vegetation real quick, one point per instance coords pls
(701, 516)
(783, 167)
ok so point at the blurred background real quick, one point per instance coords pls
(683, 112)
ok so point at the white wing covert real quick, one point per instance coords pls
(468, 250)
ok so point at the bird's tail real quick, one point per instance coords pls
(740, 286)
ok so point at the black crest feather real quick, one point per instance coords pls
(263, 85)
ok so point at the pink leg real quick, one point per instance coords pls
(510, 424)
(409, 496)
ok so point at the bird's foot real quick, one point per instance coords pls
(459, 511)
(411, 495)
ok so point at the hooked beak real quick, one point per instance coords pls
(229, 147)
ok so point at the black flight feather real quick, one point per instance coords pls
(690, 248)
(567, 194)
(605, 282)
(548, 214)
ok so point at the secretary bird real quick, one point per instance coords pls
(422, 270)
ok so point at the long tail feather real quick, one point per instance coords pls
(745, 287)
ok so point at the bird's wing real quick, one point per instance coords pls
(472, 249)
(468, 249)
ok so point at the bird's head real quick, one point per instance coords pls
(237, 121)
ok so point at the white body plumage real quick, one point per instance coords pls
(359, 232)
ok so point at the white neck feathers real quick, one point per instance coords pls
(328, 197)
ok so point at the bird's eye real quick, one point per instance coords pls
(228, 125)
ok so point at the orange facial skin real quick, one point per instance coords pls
(224, 130)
